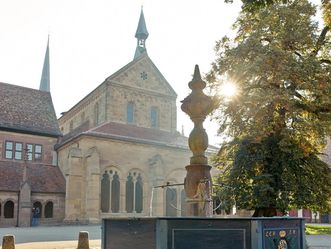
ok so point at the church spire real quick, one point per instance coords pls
(141, 35)
(45, 77)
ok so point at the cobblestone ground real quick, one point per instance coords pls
(319, 241)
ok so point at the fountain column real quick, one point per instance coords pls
(198, 182)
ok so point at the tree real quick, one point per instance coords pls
(254, 5)
(278, 123)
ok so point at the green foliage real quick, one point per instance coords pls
(278, 122)
(313, 229)
(254, 5)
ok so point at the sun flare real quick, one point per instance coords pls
(228, 89)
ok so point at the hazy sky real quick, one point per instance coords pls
(92, 39)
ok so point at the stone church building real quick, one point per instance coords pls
(120, 141)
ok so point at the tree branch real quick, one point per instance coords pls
(321, 40)
(326, 61)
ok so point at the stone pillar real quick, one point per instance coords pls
(83, 242)
(93, 186)
(156, 178)
(24, 206)
(198, 181)
(75, 184)
(8, 242)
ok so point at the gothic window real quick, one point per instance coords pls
(9, 150)
(110, 192)
(9, 210)
(37, 152)
(37, 205)
(129, 190)
(0, 209)
(134, 193)
(105, 185)
(115, 193)
(49, 210)
(139, 195)
(171, 201)
(154, 117)
(130, 113)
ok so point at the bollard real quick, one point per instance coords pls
(8, 242)
(83, 242)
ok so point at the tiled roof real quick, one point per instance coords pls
(27, 110)
(41, 178)
(140, 133)
(128, 132)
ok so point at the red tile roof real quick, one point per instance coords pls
(27, 110)
(41, 178)
(140, 133)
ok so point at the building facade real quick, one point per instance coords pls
(121, 142)
(29, 176)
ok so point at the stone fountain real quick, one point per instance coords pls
(199, 229)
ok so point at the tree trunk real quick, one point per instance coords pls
(265, 212)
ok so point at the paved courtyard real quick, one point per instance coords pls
(66, 237)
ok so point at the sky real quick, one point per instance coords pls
(92, 39)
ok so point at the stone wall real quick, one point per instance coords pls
(84, 162)
(56, 199)
(108, 102)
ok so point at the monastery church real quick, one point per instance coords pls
(104, 157)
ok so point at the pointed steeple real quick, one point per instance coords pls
(141, 35)
(45, 76)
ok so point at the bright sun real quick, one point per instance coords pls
(228, 89)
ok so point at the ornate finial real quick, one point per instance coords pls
(197, 82)
(197, 105)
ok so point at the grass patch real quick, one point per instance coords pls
(311, 229)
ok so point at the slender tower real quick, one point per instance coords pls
(45, 76)
(141, 35)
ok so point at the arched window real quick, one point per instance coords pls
(37, 206)
(139, 195)
(96, 114)
(134, 193)
(154, 117)
(0, 209)
(129, 192)
(130, 113)
(171, 202)
(110, 192)
(105, 185)
(71, 125)
(115, 193)
(9, 210)
(49, 210)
